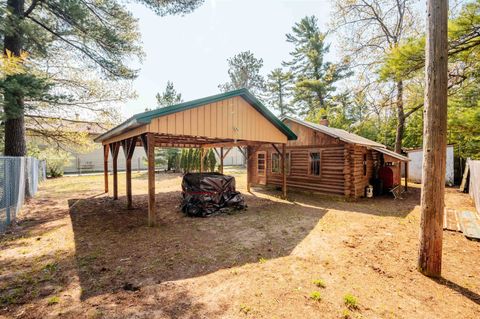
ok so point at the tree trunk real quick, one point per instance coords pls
(400, 118)
(434, 140)
(15, 144)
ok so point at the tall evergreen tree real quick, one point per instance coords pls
(370, 28)
(315, 78)
(102, 33)
(244, 72)
(169, 97)
(279, 90)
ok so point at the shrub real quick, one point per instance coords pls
(350, 301)
(319, 283)
(53, 300)
(245, 309)
(56, 161)
(316, 295)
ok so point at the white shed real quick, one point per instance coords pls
(415, 165)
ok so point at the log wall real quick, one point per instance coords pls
(331, 179)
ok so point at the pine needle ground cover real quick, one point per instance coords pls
(78, 254)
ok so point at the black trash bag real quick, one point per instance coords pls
(205, 194)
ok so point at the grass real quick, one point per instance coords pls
(350, 301)
(346, 314)
(53, 300)
(262, 260)
(316, 296)
(319, 283)
(245, 309)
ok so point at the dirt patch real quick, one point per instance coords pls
(77, 256)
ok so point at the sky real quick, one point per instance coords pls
(192, 50)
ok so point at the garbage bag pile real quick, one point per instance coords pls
(205, 194)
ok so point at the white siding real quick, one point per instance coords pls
(415, 166)
(93, 161)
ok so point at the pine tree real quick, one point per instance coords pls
(315, 78)
(212, 161)
(169, 97)
(103, 34)
(279, 90)
(244, 72)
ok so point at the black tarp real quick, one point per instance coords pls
(205, 194)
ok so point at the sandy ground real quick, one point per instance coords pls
(77, 256)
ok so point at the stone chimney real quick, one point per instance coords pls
(324, 121)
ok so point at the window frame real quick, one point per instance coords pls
(287, 163)
(310, 152)
(276, 154)
(264, 163)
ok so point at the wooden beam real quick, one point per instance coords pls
(226, 153)
(233, 144)
(114, 148)
(284, 171)
(249, 167)
(151, 178)
(221, 160)
(406, 176)
(242, 151)
(105, 166)
(128, 149)
(276, 149)
(434, 139)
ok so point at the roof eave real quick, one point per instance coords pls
(127, 125)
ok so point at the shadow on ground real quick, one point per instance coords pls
(384, 205)
(115, 249)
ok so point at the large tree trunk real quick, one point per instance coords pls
(400, 118)
(15, 144)
(434, 140)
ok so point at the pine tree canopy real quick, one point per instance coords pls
(169, 97)
(315, 78)
(244, 72)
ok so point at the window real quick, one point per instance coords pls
(364, 164)
(277, 163)
(315, 163)
(261, 161)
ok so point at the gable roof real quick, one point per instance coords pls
(146, 117)
(347, 137)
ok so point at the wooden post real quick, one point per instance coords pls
(284, 171)
(151, 178)
(406, 176)
(114, 148)
(105, 166)
(249, 167)
(128, 149)
(434, 140)
(221, 160)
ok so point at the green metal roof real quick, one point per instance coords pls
(146, 117)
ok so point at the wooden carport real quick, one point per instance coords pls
(223, 121)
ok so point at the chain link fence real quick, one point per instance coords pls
(19, 179)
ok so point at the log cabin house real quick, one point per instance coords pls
(328, 160)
